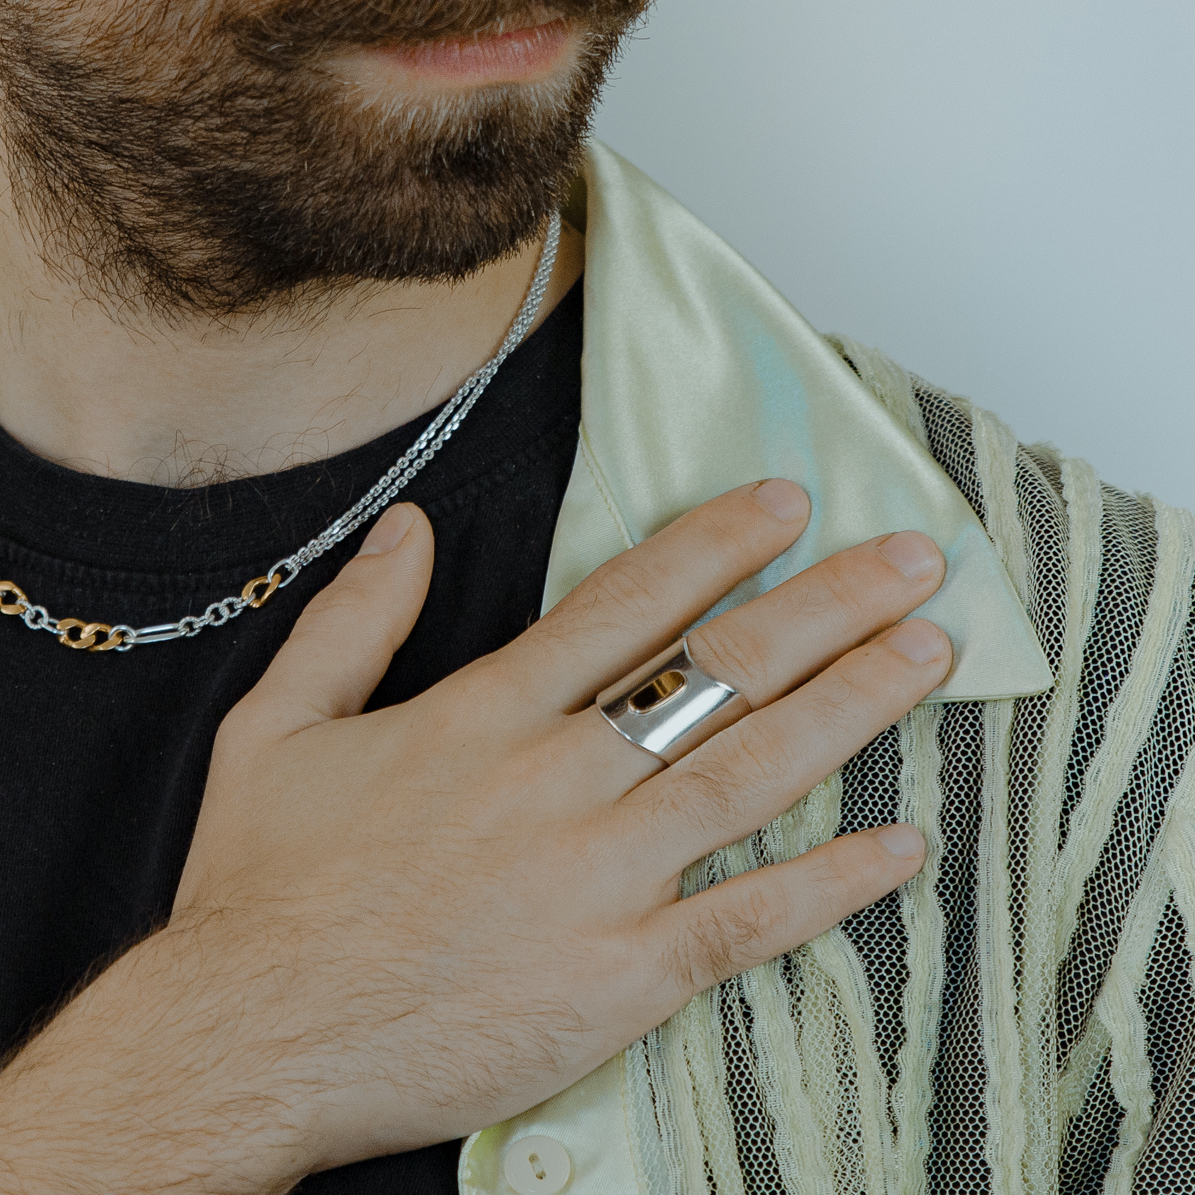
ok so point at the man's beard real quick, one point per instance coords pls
(210, 166)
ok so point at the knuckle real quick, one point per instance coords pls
(875, 677)
(721, 526)
(834, 709)
(831, 882)
(231, 730)
(488, 683)
(703, 798)
(717, 789)
(759, 760)
(845, 588)
(850, 872)
(244, 730)
(718, 943)
(623, 589)
(347, 594)
(737, 655)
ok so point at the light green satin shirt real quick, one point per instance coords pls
(698, 376)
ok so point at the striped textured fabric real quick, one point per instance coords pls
(1018, 1018)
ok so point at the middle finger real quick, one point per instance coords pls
(768, 646)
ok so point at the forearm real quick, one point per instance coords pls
(167, 1073)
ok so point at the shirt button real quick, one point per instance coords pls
(537, 1166)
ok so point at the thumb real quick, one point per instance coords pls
(345, 638)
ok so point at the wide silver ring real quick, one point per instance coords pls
(669, 706)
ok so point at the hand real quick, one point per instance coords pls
(410, 924)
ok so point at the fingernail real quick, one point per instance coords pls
(916, 555)
(918, 641)
(784, 499)
(388, 532)
(902, 841)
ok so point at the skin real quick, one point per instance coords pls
(215, 399)
(103, 383)
(398, 927)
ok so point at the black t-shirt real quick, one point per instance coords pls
(105, 754)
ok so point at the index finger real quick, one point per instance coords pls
(640, 601)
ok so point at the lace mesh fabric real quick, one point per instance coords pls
(1020, 1018)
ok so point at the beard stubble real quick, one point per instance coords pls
(213, 167)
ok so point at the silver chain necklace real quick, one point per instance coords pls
(99, 636)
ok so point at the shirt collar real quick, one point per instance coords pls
(698, 376)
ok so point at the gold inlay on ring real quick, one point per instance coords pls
(657, 690)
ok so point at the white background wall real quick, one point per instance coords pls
(1001, 195)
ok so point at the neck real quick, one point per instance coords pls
(203, 401)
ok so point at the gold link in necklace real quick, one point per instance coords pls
(71, 632)
(8, 589)
(82, 636)
(256, 601)
(85, 640)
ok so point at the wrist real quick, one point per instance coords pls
(173, 1070)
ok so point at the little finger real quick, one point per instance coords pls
(761, 914)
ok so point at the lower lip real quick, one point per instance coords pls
(512, 57)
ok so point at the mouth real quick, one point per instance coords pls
(519, 55)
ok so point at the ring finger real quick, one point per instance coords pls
(752, 772)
